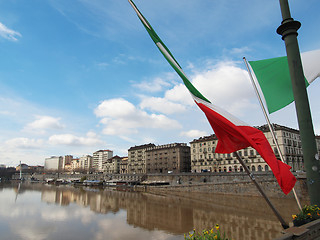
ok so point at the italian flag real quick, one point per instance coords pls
(274, 78)
(232, 133)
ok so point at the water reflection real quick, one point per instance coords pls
(50, 212)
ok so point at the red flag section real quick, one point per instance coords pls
(232, 138)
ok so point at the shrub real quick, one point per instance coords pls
(206, 235)
(307, 214)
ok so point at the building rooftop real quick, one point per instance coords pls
(205, 139)
(142, 146)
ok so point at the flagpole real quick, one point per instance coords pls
(288, 31)
(269, 125)
(250, 174)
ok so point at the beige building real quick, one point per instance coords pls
(150, 158)
(168, 158)
(124, 165)
(67, 159)
(204, 158)
(86, 162)
(112, 165)
(75, 164)
(137, 158)
(99, 157)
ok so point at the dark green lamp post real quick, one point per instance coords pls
(288, 31)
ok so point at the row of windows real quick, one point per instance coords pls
(203, 144)
(228, 155)
(291, 135)
(294, 151)
(235, 168)
(201, 162)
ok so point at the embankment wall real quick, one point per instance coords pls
(225, 183)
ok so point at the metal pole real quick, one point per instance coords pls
(20, 171)
(288, 31)
(283, 223)
(269, 125)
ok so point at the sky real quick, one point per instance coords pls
(78, 76)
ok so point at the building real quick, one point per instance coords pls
(124, 165)
(289, 143)
(99, 157)
(67, 159)
(86, 162)
(204, 158)
(112, 165)
(53, 163)
(168, 158)
(137, 158)
(75, 165)
(150, 158)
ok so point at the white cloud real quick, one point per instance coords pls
(8, 33)
(69, 139)
(224, 84)
(238, 51)
(179, 93)
(24, 143)
(161, 105)
(115, 108)
(45, 122)
(155, 85)
(194, 133)
(121, 117)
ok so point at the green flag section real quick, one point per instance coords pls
(274, 78)
(167, 54)
(232, 133)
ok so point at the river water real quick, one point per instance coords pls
(38, 211)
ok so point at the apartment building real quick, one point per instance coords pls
(150, 158)
(112, 165)
(137, 158)
(54, 163)
(124, 165)
(289, 143)
(99, 157)
(75, 164)
(67, 159)
(204, 158)
(168, 158)
(86, 162)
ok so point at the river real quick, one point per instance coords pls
(38, 211)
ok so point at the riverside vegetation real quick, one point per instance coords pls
(307, 214)
(206, 235)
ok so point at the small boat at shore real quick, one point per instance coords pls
(92, 183)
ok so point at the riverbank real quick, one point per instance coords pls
(197, 183)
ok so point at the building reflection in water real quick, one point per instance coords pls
(239, 217)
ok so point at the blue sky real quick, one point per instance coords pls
(82, 75)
